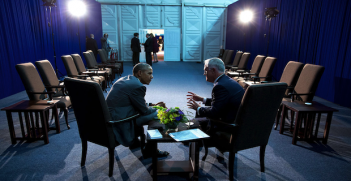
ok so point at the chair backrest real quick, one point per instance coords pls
(291, 73)
(237, 58)
(228, 59)
(31, 80)
(91, 111)
(224, 54)
(47, 73)
(103, 55)
(257, 64)
(267, 68)
(91, 63)
(243, 60)
(79, 63)
(221, 51)
(69, 65)
(256, 114)
(308, 81)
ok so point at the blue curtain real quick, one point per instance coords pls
(26, 37)
(308, 31)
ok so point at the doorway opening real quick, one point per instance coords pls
(159, 36)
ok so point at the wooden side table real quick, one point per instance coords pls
(308, 112)
(186, 166)
(34, 132)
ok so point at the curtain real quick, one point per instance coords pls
(308, 31)
(26, 37)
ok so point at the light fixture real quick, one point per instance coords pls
(76, 7)
(246, 16)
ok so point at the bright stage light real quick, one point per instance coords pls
(76, 7)
(246, 16)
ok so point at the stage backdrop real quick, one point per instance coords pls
(26, 37)
(308, 31)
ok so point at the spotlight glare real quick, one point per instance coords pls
(76, 7)
(246, 16)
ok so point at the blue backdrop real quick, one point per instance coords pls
(26, 37)
(308, 31)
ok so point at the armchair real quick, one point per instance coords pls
(221, 51)
(92, 64)
(93, 117)
(252, 125)
(228, 58)
(104, 59)
(255, 69)
(236, 60)
(242, 63)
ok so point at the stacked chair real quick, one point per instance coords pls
(265, 74)
(255, 69)
(235, 61)
(71, 70)
(252, 125)
(110, 63)
(93, 118)
(305, 88)
(82, 70)
(92, 64)
(37, 91)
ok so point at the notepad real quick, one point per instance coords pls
(154, 134)
(190, 134)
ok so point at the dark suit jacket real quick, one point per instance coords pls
(148, 45)
(92, 45)
(125, 99)
(225, 101)
(135, 45)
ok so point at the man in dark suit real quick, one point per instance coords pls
(135, 46)
(92, 45)
(148, 49)
(226, 96)
(126, 99)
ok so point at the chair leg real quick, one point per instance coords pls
(206, 150)
(231, 164)
(262, 153)
(142, 139)
(84, 152)
(65, 111)
(278, 117)
(111, 155)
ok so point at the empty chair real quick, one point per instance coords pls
(81, 68)
(93, 117)
(228, 58)
(290, 75)
(36, 90)
(236, 60)
(49, 78)
(221, 51)
(72, 72)
(255, 69)
(242, 63)
(264, 75)
(105, 60)
(92, 64)
(252, 125)
(305, 87)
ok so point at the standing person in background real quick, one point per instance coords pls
(135, 46)
(105, 45)
(92, 45)
(154, 47)
(148, 49)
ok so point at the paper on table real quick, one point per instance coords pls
(188, 135)
(154, 134)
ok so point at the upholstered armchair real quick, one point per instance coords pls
(93, 117)
(104, 59)
(221, 51)
(228, 58)
(255, 69)
(92, 64)
(36, 90)
(235, 61)
(242, 63)
(252, 125)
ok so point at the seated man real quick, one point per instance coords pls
(126, 99)
(226, 96)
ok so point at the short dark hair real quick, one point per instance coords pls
(105, 34)
(140, 66)
(136, 34)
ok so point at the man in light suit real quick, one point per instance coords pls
(126, 99)
(135, 46)
(226, 96)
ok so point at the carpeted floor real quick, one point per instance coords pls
(60, 159)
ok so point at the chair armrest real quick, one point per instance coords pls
(296, 94)
(48, 92)
(241, 71)
(92, 69)
(249, 73)
(55, 86)
(125, 119)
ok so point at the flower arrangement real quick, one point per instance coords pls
(171, 116)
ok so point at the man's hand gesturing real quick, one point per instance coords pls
(195, 97)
